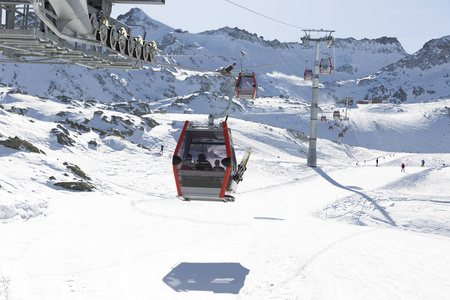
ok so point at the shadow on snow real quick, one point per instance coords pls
(215, 277)
(353, 189)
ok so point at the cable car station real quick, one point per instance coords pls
(76, 32)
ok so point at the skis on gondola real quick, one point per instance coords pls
(242, 167)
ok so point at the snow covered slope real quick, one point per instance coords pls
(294, 232)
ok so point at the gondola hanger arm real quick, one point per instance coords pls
(227, 73)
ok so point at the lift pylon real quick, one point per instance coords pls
(317, 36)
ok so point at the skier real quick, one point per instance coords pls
(403, 167)
(423, 162)
(377, 162)
(162, 150)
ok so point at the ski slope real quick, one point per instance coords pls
(343, 230)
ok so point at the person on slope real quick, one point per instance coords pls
(403, 167)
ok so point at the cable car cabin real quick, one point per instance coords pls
(325, 66)
(210, 176)
(323, 119)
(308, 75)
(336, 115)
(246, 86)
(330, 128)
(341, 135)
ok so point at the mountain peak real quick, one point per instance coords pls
(138, 17)
(387, 40)
(379, 45)
(435, 52)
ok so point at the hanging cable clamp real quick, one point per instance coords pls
(227, 70)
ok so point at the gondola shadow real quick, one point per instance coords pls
(223, 278)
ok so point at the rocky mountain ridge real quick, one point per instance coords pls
(364, 69)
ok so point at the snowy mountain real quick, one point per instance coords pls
(88, 207)
(422, 76)
(364, 68)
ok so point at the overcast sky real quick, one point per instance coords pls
(413, 22)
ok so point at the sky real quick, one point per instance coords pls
(413, 22)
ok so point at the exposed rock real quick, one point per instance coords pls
(19, 144)
(76, 186)
(298, 135)
(63, 136)
(76, 170)
(400, 95)
(18, 110)
(76, 126)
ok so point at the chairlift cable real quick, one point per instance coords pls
(264, 66)
(203, 55)
(184, 67)
(215, 71)
(218, 55)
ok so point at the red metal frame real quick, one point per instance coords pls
(175, 170)
(228, 169)
(254, 89)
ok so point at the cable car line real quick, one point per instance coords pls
(270, 65)
(264, 15)
(183, 67)
(203, 55)
(234, 71)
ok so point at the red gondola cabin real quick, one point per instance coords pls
(325, 66)
(212, 176)
(246, 86)
(336, 115)
(308, 75)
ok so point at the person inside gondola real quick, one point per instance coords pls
(202, 163)
(217, 166)
(187, 163)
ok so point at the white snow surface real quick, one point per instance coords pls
(343, 230)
